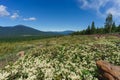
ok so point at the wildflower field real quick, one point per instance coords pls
(60, 58)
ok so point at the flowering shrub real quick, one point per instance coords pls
(69, 59)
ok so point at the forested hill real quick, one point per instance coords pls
(21, 30)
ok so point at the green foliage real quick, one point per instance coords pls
(118, 29)
(23, 38)
(110, 27)
(109, 23)
(88, 30)
(67, 58)
(114, 28)
(93, 28)
(40, 74)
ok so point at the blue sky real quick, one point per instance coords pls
(57, 15)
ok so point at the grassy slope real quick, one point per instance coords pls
(69, 58)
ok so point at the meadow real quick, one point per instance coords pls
(59, 58)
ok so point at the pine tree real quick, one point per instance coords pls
(93, 29)
(118, 29)
(114, 29)
(108, 23)
(88, 30)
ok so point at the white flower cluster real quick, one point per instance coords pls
(66, 61)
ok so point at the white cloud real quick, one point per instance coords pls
(115, 9)
(93, 4)
(109, 6)
(3, 11)
(14, 16)
(29, 19)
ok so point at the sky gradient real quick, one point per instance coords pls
(57, 15)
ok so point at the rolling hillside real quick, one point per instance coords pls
(21, 30)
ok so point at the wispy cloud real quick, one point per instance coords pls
(115, 9)
(110, 6)
(3, 11)
(93, 4)
(14, 16)
(29, 19)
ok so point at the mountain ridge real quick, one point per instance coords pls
(22, 30)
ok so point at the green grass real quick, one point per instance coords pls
(67, 57)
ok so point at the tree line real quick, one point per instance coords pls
(109, 27)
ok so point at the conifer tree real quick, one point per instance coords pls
(93, 29)
(114, 28)
(108, 23)
(118, 29)
(88, 30)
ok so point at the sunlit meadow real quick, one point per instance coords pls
(61, 58)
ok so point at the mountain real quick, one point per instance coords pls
(21, 30)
